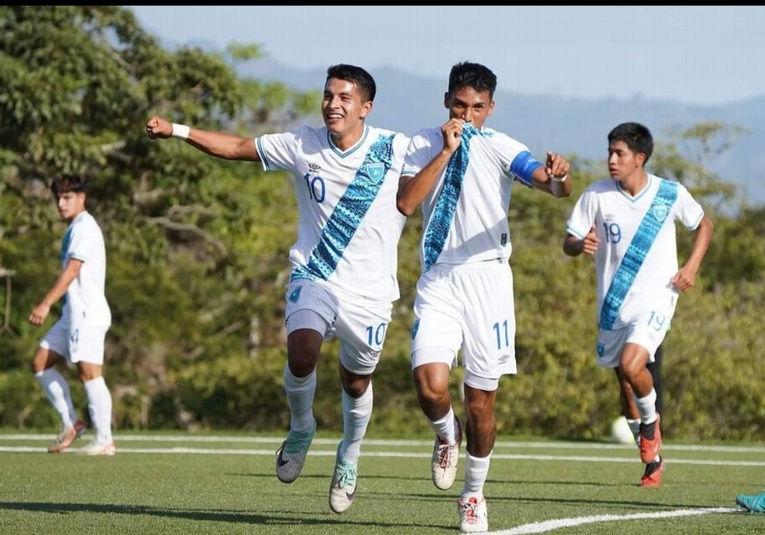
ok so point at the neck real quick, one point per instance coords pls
(635, 183)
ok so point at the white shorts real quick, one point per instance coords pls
(645, 332)
(361, 329)
(470, 308)
(83, 343)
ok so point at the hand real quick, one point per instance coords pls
(158, 128)
(590, 242)
(556, 165)
(452, 134)
(39, 313)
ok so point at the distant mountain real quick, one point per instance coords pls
(407, 101)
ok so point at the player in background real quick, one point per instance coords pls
(79, 334)
(627, 223)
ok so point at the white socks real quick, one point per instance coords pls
(57, 391)
(300, 392)
(356, 415)
(100, 408)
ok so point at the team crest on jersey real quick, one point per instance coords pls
(660, 212)
(295, 295)
(375, 171)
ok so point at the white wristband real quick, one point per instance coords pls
(181, 131)
(555, 178)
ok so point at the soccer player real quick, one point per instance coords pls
(462, 174)
(343, 281)
(628, 224)
(79, 334)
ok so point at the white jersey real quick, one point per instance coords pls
(349, 225)
(465, 214)
(637, 253)
(85, 300)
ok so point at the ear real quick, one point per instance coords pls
(446, 100)
(640, 157)
(491, 108)
(366, 108)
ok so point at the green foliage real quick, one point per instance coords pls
(198, 253)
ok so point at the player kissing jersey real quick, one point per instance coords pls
(349, 226)
(462, 220)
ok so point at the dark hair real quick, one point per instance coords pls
(636, 136)
(475, 75)
(68, 182)
(356, 75)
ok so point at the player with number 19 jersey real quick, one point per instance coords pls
(617, 218)
(349, 226)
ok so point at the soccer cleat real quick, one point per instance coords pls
(98, 448)
(290, 457)
(653, 473)
(443, 463)
(66, 437)
(474, 517)
(342, 490)
(751, 504)
(650, 448)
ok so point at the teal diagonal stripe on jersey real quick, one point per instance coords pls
(636, 252)
(349, 212)
(443, 212)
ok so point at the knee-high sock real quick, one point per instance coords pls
(300, 392)
(100, 408)
(476, 472)
(356, 415)
(445, 428)
(57, 391)
(647, 407)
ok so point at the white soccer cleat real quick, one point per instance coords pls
(99, 448)
(443, 463)
(342, 490)
(474, 518)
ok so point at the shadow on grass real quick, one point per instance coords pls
(267, 518)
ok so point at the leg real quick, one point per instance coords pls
(53, 383)
(432, 385)
(655, 368)
(99, 401)
(358, 400)
(632, 365)
(303, 347)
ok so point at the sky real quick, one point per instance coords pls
(693, 55)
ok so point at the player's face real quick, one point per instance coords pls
(343, 108)
(70, 205)
(622, 162)
(469, 105)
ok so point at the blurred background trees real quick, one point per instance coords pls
(197, 253)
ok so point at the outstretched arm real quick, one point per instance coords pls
(218, 144)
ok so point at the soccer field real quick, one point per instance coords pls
(225, 484)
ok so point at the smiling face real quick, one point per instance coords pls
(469, 105)
(344, 109)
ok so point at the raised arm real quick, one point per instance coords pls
(218, 144)
(412, 190)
